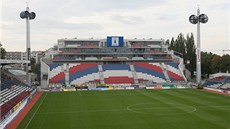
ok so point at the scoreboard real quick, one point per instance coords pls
(115, 41)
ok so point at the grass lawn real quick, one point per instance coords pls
(130, 109)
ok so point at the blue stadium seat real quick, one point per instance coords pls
(227, 80)
(150, 72)
(116, 67)
(173, 64)
(209, 83)
(82, 73)
(53, 66)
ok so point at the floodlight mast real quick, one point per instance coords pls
(28, 16)
(200, 18)
(198, 56)
(28, 65)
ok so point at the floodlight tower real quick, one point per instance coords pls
(28, 16)
(200, 18)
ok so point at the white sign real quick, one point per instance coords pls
(115, 41)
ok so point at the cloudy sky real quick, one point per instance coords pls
(156, 19)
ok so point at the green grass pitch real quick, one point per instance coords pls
(130, 109)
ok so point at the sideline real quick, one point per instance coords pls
(216, 92)
(22, 114)
(35, 112)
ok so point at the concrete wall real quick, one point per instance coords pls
(44, 74)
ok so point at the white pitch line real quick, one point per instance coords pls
(86, 111)
(35, 112)
(213, 106)
(128, 108)
(79, 93)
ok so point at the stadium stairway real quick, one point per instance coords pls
(101, 74)
(134, 74)
(165, 72)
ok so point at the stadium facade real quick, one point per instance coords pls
(113, 60)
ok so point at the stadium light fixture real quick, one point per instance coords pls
(200, 18)
(28, 16)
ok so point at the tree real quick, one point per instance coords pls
(32, 61)
(180, 44)
(190, 53)
(187, 48)
(167, 41)
(215, 63)
(225, 63)
(3, 52)
(171, 46)
(34, 66)
(210, 63)
(206, 61)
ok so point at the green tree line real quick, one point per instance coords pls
(210, 63)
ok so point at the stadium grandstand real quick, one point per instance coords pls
(112, 61)
(219, 81)
(14, 93)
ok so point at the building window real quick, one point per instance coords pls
(45, 77)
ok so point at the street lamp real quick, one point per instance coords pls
(200, 18)
(28, 16)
